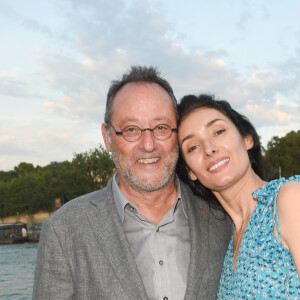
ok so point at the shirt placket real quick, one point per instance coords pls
(162, 270)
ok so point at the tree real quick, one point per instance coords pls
(284, 154)
(3, 203)
(28, 189)
(97, 164)
(7, 176)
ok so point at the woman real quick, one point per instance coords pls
(222, 161)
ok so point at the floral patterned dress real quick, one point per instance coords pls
(264, 268)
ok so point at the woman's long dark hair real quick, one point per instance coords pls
(188, 104)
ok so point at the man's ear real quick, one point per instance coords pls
(248, 140)
(105, 137)
(192, 175)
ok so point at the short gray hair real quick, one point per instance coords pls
(138, 74)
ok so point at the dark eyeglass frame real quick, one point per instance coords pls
(142, 130)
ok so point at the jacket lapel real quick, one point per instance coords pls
(108, 228)
(199, 236)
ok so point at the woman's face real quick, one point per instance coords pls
(213, 148)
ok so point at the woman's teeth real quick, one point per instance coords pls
(219, 164)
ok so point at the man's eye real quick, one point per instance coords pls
(131, 129)
(162, 127)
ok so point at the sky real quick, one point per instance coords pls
(58, 58)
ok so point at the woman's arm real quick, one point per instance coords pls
(288, 206)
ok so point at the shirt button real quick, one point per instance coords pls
(161, 263)
(131, 208)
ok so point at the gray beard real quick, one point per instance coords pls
(134, 182)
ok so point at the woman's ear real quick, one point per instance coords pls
(248, 141)
(192, 175)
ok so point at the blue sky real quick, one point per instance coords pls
(58, 58)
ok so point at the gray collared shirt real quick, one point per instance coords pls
(162, 252)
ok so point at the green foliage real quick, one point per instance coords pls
(7, 176)
(28, 189)
(284, 153)
(96, 164)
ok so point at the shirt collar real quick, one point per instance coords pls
(121, 201)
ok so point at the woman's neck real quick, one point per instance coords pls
(237, 199)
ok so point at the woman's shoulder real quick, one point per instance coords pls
(288, 207)
(274, 186)
(289, 193)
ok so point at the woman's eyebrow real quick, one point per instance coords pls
(210, 123)
(186, 138)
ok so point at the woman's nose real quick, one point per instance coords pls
(209, 148)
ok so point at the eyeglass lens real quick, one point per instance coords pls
(133, 133)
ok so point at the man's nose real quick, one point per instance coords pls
(147, 141)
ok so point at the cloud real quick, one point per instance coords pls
(40, 141)
(244, 19)
(106, 26)
(61, 98)
(14, 86)
(138, 34)
(29, 23)
(276, 115)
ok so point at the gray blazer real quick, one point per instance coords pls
(84, 253)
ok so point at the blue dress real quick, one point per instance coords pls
(264, 268)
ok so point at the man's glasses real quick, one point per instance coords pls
(133, 133)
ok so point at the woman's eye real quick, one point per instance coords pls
(218, 132)
(191, 149)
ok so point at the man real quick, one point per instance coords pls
(144, 236)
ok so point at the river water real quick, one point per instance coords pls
(17, 264)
